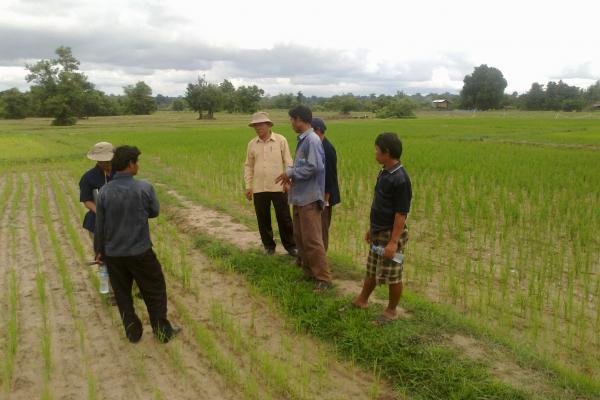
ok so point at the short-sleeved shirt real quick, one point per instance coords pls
(393, 194)
(331, 179)
(92, 179)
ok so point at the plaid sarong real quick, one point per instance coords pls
(386, 272)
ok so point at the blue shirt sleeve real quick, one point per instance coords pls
(310, 161)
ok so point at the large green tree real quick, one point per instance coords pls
(58, 87)
(138, 99)
(483, 89)
(204, 96)
(14, 104)
(247, 98)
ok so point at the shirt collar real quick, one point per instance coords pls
(305, 134)
(271, 139)
(122, 175)
(394, 168)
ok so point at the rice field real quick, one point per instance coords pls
(504, 229)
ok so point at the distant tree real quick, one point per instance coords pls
(178, 105)
(284, 101)
(592, 94)
(483, 89)
(398, 108)
(229, 96)
(138, 99)
(534, 99)
(300, 99)
(204, 96)
(58, 87)
(247, 98)
(14, 104)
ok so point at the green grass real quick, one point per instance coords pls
(504, 226)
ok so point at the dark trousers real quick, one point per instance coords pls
(146, 270)
(326, 218)
(262, 206)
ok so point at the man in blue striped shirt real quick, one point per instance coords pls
(306, 194)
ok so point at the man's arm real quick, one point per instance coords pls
(90, 205)
(309, 167)
(153, 204)
(249, 171)
(392, 246)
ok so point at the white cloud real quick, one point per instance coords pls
(314, 46)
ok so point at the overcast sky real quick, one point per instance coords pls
(319, 47)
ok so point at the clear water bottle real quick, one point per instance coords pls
(380, 250)
(103, 272)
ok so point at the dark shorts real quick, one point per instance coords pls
(385, 272)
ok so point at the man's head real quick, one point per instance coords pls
(388, 147)
(319, 126)
(126, 159)
(102, 153)
(300, 117)
(261, 124)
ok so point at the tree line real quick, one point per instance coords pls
(61, 91)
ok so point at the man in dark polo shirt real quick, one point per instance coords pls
(93, 180)
(389, 210)
(122, 240)
(332, 188)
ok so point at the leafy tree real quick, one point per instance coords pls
(398, 108)
(59, 87)
(179, 105)
(14, 104)
(138, 99)
(592, 94)
(535, 98)
(229, 96)
(247, 98)
(483, 89)
(204, 96)
(283, 101)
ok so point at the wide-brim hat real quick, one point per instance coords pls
(259, 118)
(102, 151)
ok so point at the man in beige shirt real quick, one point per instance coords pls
(267, 157)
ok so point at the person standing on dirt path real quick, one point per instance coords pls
(306, 194)
(267, 156)
(389, 210)
(332, 188)
(89, 185)
(122, 240)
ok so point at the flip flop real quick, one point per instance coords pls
(383, 320)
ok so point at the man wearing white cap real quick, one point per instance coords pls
(90, 184)
(94, 179)
(268, 156)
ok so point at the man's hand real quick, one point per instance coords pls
(368, 236)
(286, 188)
(99, 258)
(249, 194)
(283, 180)
(390, 250)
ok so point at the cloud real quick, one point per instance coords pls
(584, 70)
(149, 47)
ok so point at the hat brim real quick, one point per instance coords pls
(268, 121)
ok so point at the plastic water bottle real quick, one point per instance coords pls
(380, 250)
(103, 272)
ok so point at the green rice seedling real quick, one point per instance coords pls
(12, 330)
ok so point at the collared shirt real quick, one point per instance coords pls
(393, 194)
(308, 172)
(122, 211)
(92, 180)
(331, 179)
(265, 161)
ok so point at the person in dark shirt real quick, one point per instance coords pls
(91, 182)
(332, 188)
(389, 210)
(122, 240)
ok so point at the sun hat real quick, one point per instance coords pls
(318, 123)
(102, 151)
(259, 118)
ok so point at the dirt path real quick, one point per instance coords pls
(174, 370)
(192, 217)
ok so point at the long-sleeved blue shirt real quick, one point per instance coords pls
(122, 211)
(308, 172)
